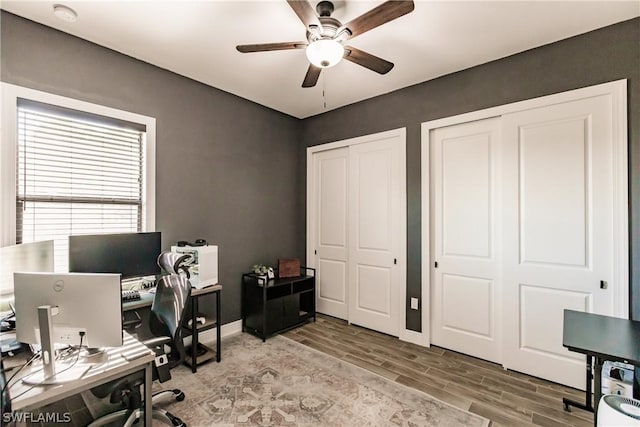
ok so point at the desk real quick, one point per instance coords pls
(602, 338)
(146, 300)
(110, 367)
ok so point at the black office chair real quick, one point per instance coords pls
(167, 314)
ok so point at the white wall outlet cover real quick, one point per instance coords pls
(414, 303)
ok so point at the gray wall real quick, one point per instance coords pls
(227, 169)
(233, 172)
(600, 56)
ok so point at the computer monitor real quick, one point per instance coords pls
(34, 256)
(130, 254)
(70, 303)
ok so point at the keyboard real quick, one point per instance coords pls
(131, 295)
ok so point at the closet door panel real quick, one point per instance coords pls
(466, 283)
(330, 230)
(376, 184)
(558, 240)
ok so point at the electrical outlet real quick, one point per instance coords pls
(414, 303)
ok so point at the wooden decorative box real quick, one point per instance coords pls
(288, 267)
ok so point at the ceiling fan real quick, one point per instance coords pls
(326, 35)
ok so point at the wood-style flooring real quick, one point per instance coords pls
(505, 397)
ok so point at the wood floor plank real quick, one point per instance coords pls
(557, 412)
(541, 420)
(570, 393)
(313, 335)
(390, 350)
(434, 361)
(508, 409)
(507, 398)
(435, 391)
(545, 383)
(516, 389)
(473, 393)
(320, 347)
(405, 368)
(452, 376)
(420, 350)
(557, 396)
(433, 379)
(370, 367)
(498, 376)
(473, 360)
(495, 414)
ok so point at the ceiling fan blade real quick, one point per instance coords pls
(265, 47)
(387, 11)
(367, 60)
(311, 78)
(307, 15)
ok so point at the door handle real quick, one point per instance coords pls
(604, 284)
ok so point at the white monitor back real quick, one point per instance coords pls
(89, 302)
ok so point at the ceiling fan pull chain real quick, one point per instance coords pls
(324, 88)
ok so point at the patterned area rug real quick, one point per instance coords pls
(283, 383)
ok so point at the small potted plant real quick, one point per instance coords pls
(264, 272)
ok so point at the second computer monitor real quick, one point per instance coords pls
(130, 254)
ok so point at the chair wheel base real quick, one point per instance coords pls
(177, 422)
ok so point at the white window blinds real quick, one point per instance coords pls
(77, 174)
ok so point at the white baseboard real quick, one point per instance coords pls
(414, 337)
(210, 335)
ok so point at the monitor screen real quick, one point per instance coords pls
(91, 303)
(34, 256)
(130, 254)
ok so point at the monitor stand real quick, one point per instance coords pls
(47, 374)
(91, 352)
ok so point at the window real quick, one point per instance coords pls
(77, 172)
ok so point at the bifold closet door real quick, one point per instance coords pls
(330, 230)
(558, 230)
(465, 218)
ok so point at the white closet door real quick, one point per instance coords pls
(466, 283)
(376, 230)
(330, 230)
(558, 232)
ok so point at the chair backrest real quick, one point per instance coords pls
(173, 262)
(170, 303)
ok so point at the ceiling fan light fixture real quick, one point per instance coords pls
(325, 53)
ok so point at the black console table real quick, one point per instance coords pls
(276, 305)
(601, 338)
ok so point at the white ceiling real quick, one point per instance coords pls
(197, 39)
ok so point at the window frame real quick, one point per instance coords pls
(9, 95)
